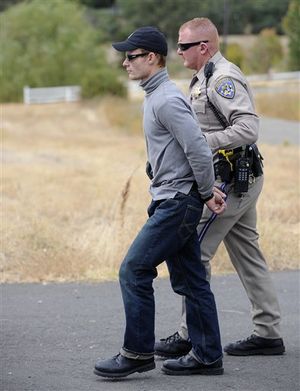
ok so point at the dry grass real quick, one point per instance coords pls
(278, 98)
(287, 105)
(63, 180)
(74, 193)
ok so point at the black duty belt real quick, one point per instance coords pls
(239, 164)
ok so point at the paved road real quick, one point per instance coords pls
(52, 334)
(277, 131)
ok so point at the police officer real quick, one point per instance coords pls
(222, 100)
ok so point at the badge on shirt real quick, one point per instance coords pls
(196, 92)
(225, 88)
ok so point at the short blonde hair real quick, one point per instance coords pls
(206, 28)
(203, 23)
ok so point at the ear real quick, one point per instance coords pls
(203, 48)
(152, 58)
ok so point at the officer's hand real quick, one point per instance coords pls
(216, 204)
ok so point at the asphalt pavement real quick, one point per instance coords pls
(51, 335)
(279, 131)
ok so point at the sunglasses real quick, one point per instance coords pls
(131, 57)
(185, 46)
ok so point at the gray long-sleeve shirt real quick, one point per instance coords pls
(176, 148)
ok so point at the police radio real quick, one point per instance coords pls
(208, 70)
(241, 175)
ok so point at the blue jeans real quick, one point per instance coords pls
(169, 235)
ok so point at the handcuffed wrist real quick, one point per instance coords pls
(208, 198)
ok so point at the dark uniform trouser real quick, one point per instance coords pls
(237, 229)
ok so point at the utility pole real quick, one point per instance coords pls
(225, 24)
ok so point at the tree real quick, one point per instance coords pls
(123, 16)
(97, 3)
(50, 43)
(168, 15)
(8, 3)
(292, 27)
(253, 16)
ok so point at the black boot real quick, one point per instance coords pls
(255, 345)
(187, 365)
(120, 366)
(173, 346)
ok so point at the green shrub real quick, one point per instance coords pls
(50, 43)
(291, 26)
(266, 53)
(235, 54)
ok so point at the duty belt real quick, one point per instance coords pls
(239, 164)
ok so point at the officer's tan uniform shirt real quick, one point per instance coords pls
(229, 92)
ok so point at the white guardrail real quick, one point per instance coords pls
(275, 76)
(51, 94)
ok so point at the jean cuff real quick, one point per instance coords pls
(197, 358)
(135, 355)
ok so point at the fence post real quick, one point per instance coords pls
(68, 94)
(26, 95)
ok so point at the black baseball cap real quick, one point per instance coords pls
(148, 38)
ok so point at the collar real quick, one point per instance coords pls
(154, 81)
(215, 58)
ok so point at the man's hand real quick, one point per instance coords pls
(217, 204)
(219, 192)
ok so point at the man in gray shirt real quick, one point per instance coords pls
(182, 182)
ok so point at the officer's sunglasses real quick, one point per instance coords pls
(185, 46)
(131, 57)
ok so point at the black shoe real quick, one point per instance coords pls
(120, 366)
(255, 345)
(173, 346)
(187, 365)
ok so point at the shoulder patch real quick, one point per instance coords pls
(226, 88)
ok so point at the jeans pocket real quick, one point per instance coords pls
(153, 205)
(190, 221)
